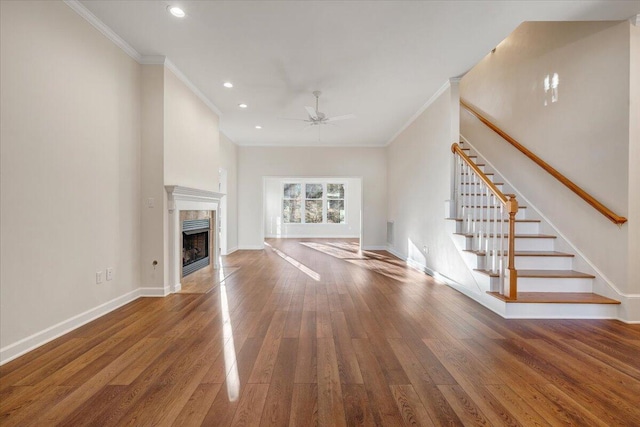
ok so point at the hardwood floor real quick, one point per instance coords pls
(317, 334)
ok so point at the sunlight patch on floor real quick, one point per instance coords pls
(297, 264)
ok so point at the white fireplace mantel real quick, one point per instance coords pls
(179, 197)
(187, 199)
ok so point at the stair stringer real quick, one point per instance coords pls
(601, 283)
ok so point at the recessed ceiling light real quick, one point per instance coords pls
(258, 127)
(176, 11)
(228, 85)
(242, 105)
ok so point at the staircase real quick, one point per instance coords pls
(547, 284)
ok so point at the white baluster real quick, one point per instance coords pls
(502, 257)
(481, 213)
(487, 231)
(494, 243)
(474, 213)
(467, 212)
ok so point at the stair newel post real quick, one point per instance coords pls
(512, 290)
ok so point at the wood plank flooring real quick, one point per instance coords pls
(315, 333)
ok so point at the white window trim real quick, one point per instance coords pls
(325, 201)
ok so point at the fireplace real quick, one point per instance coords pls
(185, 204)
(195, 245)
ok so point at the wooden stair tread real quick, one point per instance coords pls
(490, 207)
(528, 253)
(482, 183)
(556, 298)
(544, 274)
(472, 173)
(491, 220)
(517, 236)
(556, 274)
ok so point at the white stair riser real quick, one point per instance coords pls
(561, 311)
(544, 262)
(529, 262)
(522, 243)
(474, 188)
(551, 284)
(490, 175)
(476, 199)
(482, 168)
(485, 212)
(521, 227)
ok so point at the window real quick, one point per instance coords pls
(323, 203)
(335, 203)
(292, 204)
(313, 203)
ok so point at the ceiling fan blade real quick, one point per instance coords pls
(345, 117)
(312, 112)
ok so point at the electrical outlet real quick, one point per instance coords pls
(98, 277)
(109, 273)
(425, 248)
(151, 202)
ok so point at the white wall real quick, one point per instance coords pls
(585, 134)
(274, 227)
(254, 163)
(229, 161)
(634, 174)
(153, 225)
(419, 171)
(70, 177)
(191, 138)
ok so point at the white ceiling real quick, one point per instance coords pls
(381, 60)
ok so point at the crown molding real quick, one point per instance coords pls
(171, 66)
(422, 109)
(81, 10)
(153, 60)
(103, 28)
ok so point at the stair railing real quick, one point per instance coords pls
(613, 217)
(485, 211)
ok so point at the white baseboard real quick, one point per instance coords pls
(306, 236)
(374, 248)
(25, 345)
(230, 251)
(251, 248)
(153, 291)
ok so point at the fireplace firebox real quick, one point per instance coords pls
(195, 245)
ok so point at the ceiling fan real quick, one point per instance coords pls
(317, 118)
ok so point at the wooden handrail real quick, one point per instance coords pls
(455, 148)
(616, 219)
(511, 204)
